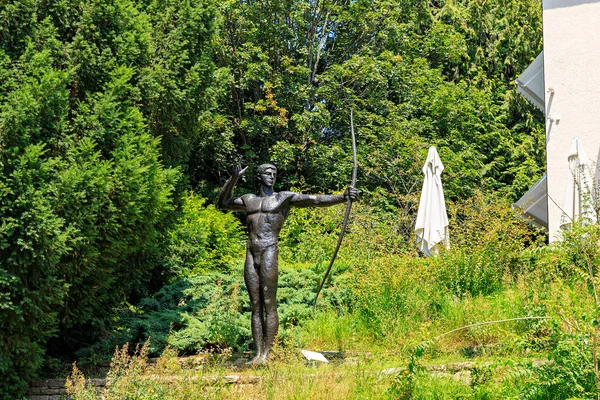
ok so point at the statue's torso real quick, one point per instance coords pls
(266, 216)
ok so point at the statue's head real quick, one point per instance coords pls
(267, 173)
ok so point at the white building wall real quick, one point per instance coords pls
(572, 83)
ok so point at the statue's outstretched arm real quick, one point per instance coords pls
(322, 200)
(226, 199)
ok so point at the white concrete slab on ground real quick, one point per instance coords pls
(314, 356)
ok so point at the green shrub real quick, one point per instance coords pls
(204, 239)
(221, 324)
(310, 235)
(84, 196)
(393, 295)
(210, 311)
(578, 253)
(568, 374)
(487, 240)
(33, 240)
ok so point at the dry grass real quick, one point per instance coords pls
(287, 376)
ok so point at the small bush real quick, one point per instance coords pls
(204, 239)
(487, 240)
(569, 374)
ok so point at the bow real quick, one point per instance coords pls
(346, 216)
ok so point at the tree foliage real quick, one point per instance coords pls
(416, 74)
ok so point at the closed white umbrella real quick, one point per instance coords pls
(432, 219)
(578, 203)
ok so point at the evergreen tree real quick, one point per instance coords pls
(88, 91)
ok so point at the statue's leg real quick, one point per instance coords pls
(269, 274)
(252, 279)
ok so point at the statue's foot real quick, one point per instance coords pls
(262, 360)
(258, 360)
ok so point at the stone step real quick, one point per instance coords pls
(55, 389)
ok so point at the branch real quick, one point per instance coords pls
(489, 323)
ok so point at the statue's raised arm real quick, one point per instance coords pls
(226, 199)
